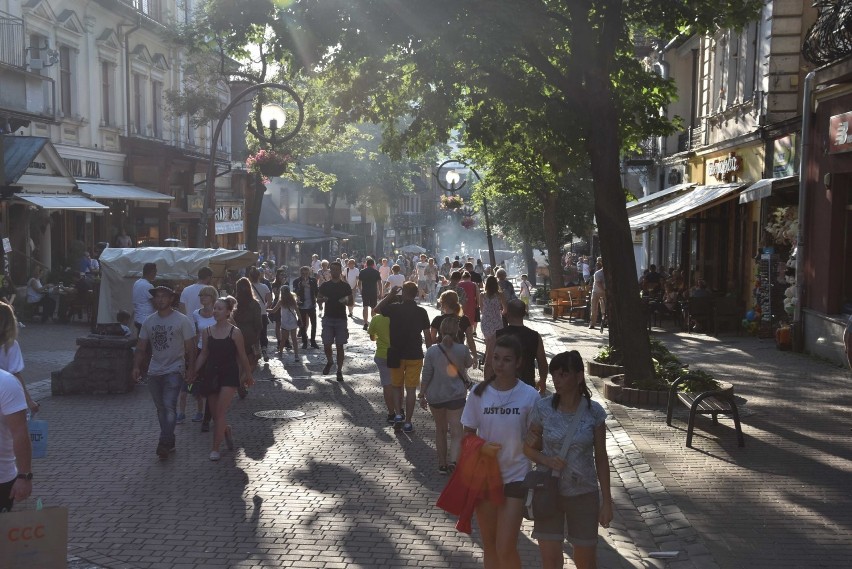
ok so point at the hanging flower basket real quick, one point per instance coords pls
(451, 202)
(268, 163)
(468, 222)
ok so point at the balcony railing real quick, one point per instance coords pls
(11, 40)
(151, 8)
(690, 139)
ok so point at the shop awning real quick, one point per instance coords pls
(62, 201)
(100, 191)
(698, 199)
(763, 188)
(18, 153)
(668, 192)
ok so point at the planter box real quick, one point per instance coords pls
(615, 391)
(603, 370)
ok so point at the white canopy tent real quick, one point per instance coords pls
(120, 268)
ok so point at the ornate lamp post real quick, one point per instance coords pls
(269, 116)
(452, 178)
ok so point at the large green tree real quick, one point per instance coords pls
(567, 65)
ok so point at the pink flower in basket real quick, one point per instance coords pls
(451, 202)
(468, 222)
(268, 163)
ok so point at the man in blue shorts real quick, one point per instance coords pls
(337, 294)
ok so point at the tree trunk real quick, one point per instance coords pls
(627, 320)
(551, 240)
(529, 261)
(330, 204)
(379, 244)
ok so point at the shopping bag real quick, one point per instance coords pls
(38, 437)
(34, 538)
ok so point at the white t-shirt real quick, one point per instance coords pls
(503, 417)
(384, 272)
(396, 280)
(421, 270)
(11, 359)
(316, 266)
(201, 324)
(600, 284)
(262, 292)
(352, 276)
(33, 286)
(142, 307)
(189, 297)
(12, 400)
(166, 337)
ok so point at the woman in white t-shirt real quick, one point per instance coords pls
(396, 278)
(203, 319)
(497, 410)
(11, 359)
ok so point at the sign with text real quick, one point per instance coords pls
(839, 134)
(785, 157)
(724, 169)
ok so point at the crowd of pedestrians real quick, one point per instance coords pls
(207, 343)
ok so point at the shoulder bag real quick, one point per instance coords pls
(459, 370)
(543, 485)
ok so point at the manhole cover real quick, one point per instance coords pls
(280, 414)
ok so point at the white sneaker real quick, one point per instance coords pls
(214, 456)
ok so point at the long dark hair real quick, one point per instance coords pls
(571, 362)
(505, 341)
(244, 294)
(492, 287)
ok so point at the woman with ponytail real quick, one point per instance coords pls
(451, 307)
(443, 388)
(571, 413)
(497, 410)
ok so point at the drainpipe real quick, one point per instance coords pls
(807, 104)
(135, 27)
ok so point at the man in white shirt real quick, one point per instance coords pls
(189, 299)
(352, 274)
(384, 272)
(316, 264)
(142, 299)
(598, 296)
(15, 447)
(422, 267)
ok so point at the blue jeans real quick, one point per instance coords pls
(164, 391)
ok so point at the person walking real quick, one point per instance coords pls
(531, 342)
(384, 272)
(379, 331)
(598, 296)
(201, 318)
(409, 328)
(422, 268)
(443, 389)
(351, 273)
(16, 453)
(263, 296)
(492, 305)
(171, 337)
(323, 276)
(396, 278)
(246, 316)
(446, 268)
(497, 410)
(369, 280)
(583, 474)
(226, 367)
(451, 308)
(288, 310)
(11, 358)
(143, 302)
(337, 294)
(307, 291)
(470, 299)
(275, 286)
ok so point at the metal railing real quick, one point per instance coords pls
(690, 139)
(12, 40)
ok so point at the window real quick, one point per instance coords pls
(157, 108)
(138, 104)
(65, 80)
(106, 94)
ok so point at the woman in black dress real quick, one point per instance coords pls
(226, 367)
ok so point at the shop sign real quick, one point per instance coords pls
(839, 133)
(725, 168)
(195, 203)
(785, 157)
(229, 213)
(225, 227)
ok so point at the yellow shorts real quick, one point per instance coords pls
(407, 374)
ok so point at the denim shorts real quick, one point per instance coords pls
(335, 331)
(578, 522)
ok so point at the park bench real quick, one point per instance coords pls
(569, 300)
(714, 403)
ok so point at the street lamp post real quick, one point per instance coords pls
(207, 223)
(452, 177)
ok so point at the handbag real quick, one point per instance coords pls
(394, 361)
(460, 371)
(38, 436)
(34, 538)
(543, 485)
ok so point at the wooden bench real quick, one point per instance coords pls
(569, 300)
(713, 403)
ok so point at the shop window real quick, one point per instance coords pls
(157, 108)
(138, 103)
(65, 80)
(107, 78)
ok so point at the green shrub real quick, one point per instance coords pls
(698, 382)
(606, 355)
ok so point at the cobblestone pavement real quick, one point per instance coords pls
(338, 488)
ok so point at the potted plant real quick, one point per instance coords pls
(451, 202)
(268, 163)
(605, 363)
(468, 222)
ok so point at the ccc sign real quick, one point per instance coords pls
(27, 533)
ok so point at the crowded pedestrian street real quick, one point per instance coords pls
(319, 479)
